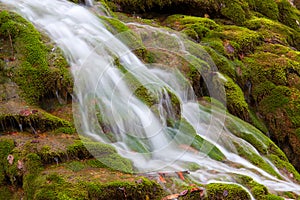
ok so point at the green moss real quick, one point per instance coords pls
(135, 144)
(258, 122)
(236, 103)
(272, 30)
(263, 144)
(33, 167)
(66, 130)
(226, 191)
(258, 191)
(95, 163)
(33, 75)
(234, 11)
(49, 156)
(256, 159)
(5, 193)
(265, 67)
(285, 166)
(75, 166)
(197, 142)
(242, 39)
(195, 27)
(288, 14)
(115, 190)
(293, 108)
(297, 132)
(131, 39)
(103, 152)
(6, 147)
(78, 150)
(53, 186)
(39, 121)
(278, 98)
(268, 8)
(262, 90)
(224, 65)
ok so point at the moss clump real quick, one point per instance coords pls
(78, 150)
(258, 191)
(66, 130)
(275, 32)
(225, 66)
(33, 167)
(235, 11)
(242, 39)
(195, 27)
(6, 147)
(268, 8)
(49, 156)
(179, 22)
(53, 186)
(5, 193)
(226, 191)
(288, 14)
(103, 152)
(278, 98)
(119, 190)
(236, 103)
(75, 166)
(285, 166)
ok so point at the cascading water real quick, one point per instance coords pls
(155, 133)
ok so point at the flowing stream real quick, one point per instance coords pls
(154, 133)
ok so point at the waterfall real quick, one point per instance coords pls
(153, 133)
(89, 2)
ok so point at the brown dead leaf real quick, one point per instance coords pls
(170, 197)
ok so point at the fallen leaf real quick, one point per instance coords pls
(10, 159)
(20, 164)
(170, 197)
(25, 113)
(180, 175)
(183, 193)
(197, 189)
(161, 179)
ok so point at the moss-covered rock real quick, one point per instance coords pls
(275, 32)
(6, 147)
(122, 32)
(226, 191)
(103, 152)
(32, 121)
(236, 103)
(31, 70)
(288, 14)
(235, 11)
(119, 190)
(268, 8)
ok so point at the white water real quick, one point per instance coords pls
(101, 87)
